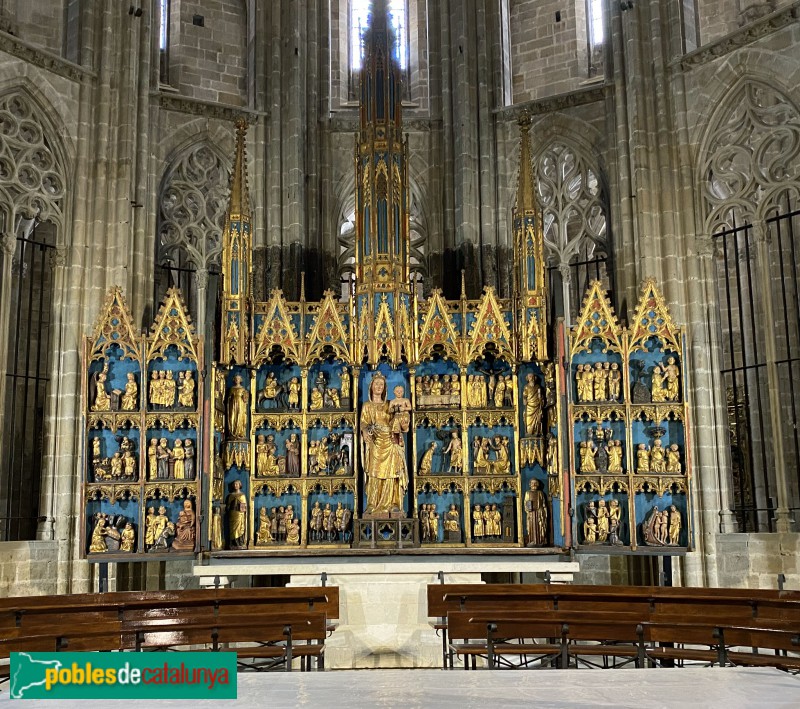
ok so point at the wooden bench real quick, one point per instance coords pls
(270, 619)
(764, 609)
(546, 638)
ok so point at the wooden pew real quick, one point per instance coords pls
(545, 638)
(763, 609)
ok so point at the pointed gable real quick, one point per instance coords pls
(114, 326)
(597, 321)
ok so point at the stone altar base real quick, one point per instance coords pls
(383, 619)
(386, 533)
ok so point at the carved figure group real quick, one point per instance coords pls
(435, 390)
(600, 383)
(604, 456)
(329, 525)
(164, 390)
(158, 530)
(112, 534)
(429, 520)
(490, 455)
(323, 396)
(665, 382)
(177, 463)
(487, 522)
(602, 523)
(658, 459)
(106, 399)
(328, 456)
(122, 465)
(279, 526)
(268, 463)
(279, 395)
(662, 528)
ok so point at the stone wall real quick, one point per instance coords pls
(26, 568)
(209, 62)
(755, 560)
(547, 56)
(40, 22)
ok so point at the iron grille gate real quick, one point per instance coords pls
(27, 380)
(743, 319)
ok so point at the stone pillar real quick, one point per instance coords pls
(8, 245)
(783, 518)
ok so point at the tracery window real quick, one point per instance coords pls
(32, 200)
(750, 182)
(192, 205)
(575, 232)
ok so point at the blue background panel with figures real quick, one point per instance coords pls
(173, 507)
(484, 497)
(283, 374)
(425, 435)
(128, 508)
(182, 434)
(644, 503)
(110, 443)
(503, 431)
(591, 358)
(269, 501)
(177, 366)
(583, 498)
(442, 502)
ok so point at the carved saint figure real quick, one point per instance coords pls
(217, 541)
(129, 465)
(294, 393)
(98, 543)
(152, 459)
(673, 459)
(317, 398)
(344, 376)
(163, 455)
(642, 458)
(672, 372)
(587, 457)
(130, 397)
(533, 401)
(454, 449)
(236, 506)
(186, 395)
(614, 522)
(536, 515)
(600, 382)
(426, 464)
(264, 534)
(614, 456)
(383, 450)
(614, 382)
(293, 531)
(179, 458)
(293, 455)
(128, 539)
(500, 390)
(674, 526)
(262, 451)
(584, 394)
(185, 528)
(102, 399)
(478, 528)
(590, 523)
(650, 527)
(452, 525)
(188, 463)
(602, 521)
(657, 392)
(424, 523)
(238, 399)
(657, 463)
(170, 389)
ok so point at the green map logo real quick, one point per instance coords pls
(123, 675)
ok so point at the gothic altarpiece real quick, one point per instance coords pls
(386, 421)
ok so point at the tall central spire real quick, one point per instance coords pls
(382, 239)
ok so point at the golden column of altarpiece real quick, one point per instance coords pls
(386, 421)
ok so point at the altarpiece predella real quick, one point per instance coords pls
(386, 421)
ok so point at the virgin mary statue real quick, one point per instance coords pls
(383, 453)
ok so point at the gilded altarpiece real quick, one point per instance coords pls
(630, 462)
(142, 449)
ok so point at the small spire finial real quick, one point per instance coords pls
(463, 285)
